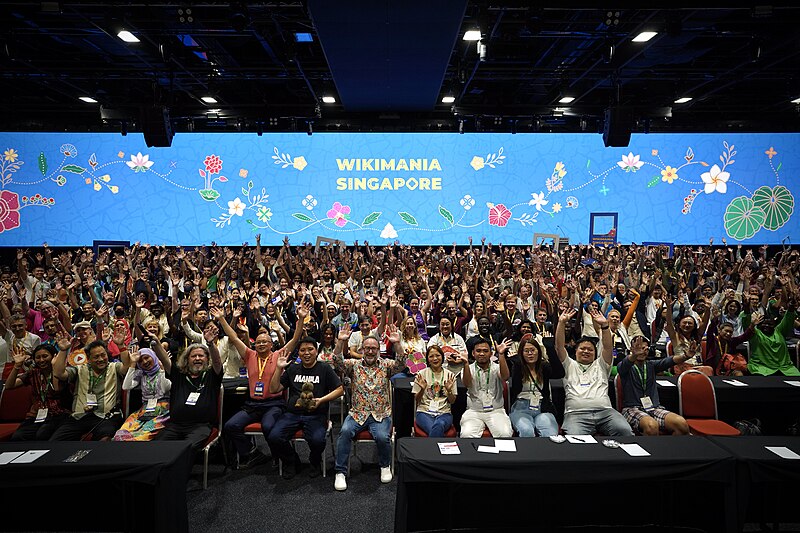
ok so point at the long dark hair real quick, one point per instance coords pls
(323, 330)
(537, 366)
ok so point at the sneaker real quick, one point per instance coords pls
(386, 474)
(314, 471)
(254, 459)
(340, 483)
(289, 470)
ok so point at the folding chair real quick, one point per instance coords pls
(214, 437)
(364, 436)
(14, 405)
(697, 403)
(298, 437)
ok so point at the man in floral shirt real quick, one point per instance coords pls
(371, 406)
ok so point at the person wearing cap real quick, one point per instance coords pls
(587, 407)
(144, 371)
(641, 407)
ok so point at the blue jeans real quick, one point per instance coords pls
(532, 422)
(434, 426)
(380, 431)
(607, 422)
(267, 412)
(314, 428)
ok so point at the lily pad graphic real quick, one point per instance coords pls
(777, 204)
(743, 218)
(209, 195)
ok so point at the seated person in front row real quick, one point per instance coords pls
(532, 411)
(768, 352)
(588, 408)
(372, 408)
(305, 409)
(435, 391)
(194, 396)
(640, 394)
(145, 371)
(484, 381)
(98, 392)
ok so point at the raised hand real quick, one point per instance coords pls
(344, 334)
(20, 356)
(598, 317)
(282, 361)
(419, 380)
(503, 347)
(393, 333)
(757, 318)
(567, 315)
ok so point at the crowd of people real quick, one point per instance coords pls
(305, 324)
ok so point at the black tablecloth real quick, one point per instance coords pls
(130, 486)
(686, 481)
(767, 484)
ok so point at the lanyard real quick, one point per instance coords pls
(151, 384)
(642, 374)
(262, 367)
(478, 375)
(441, 383)
(44, 384)
(93, 382)
(202, 382)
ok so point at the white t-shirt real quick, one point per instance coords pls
(586, 387)
(483, 386)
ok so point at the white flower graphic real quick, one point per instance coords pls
(236, 207)
(556, 207)
(538, 200)
(630, 163)
(467, 202)
(388, 232)
(309, 202)
(139, 162)
(716, 180)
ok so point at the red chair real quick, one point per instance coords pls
(618, 392)
(14, 406)
(365, 436)
(299, 437)
(698, 405)
(417, 432)
(214, 437)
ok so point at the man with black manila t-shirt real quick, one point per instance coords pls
(304, 410)
(193, 399)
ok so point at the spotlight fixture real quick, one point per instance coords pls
(329, 99)
(644, 36)
(209, 99)
(472, 35)
(566, 100)
(683, 100)
(448, 99)
(87, 99)
(303, 37)
(796, 101)
(127, 36)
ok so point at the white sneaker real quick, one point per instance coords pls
(340, 483)
(386, 474)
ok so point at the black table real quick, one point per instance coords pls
(767, 485)
(130, 486)
(687, 481)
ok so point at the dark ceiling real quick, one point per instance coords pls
(389, 63)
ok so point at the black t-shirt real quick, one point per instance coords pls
(205, 410)
(321, 375)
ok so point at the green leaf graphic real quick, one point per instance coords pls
(448, 216)
(42, 164)
(779, 167)
(302, 217)
(408, 218)
(75, 169)
(653, 182)
(209, 195)
(372, 217)
(249, 184)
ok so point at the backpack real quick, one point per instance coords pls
(748, 427)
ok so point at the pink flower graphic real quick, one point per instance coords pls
(213, 164)
(9, 211)
(499, 215)
(339, 213)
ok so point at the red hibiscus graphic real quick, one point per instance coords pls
(9, 211)
(213, 164)
(499, 215)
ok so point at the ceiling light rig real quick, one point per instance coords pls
(127, 36)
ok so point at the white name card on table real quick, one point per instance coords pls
(488, 449)
(783, 452)
(581, 439)
(7, 457)
(735, 382)
(634, 450)
(505, 445)
(792, 383)
(29, 456)
(449, 448)
(665, 383)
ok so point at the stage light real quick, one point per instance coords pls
(329, 99)
(683, 100)
(448, 99)
(127, 36)
(303, 38)
(644, 36)
(209, 99)
(796, 101)
(472, 35)
(87, 99)
(567, 100)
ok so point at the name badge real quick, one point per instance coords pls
(486, 400)
(91, 400)
(258, 390)
(193, 397)
(41, 415)
(242, 371)
(151, 404)
(584, 380)
(647, 403)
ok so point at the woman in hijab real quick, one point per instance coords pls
(145, 371)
